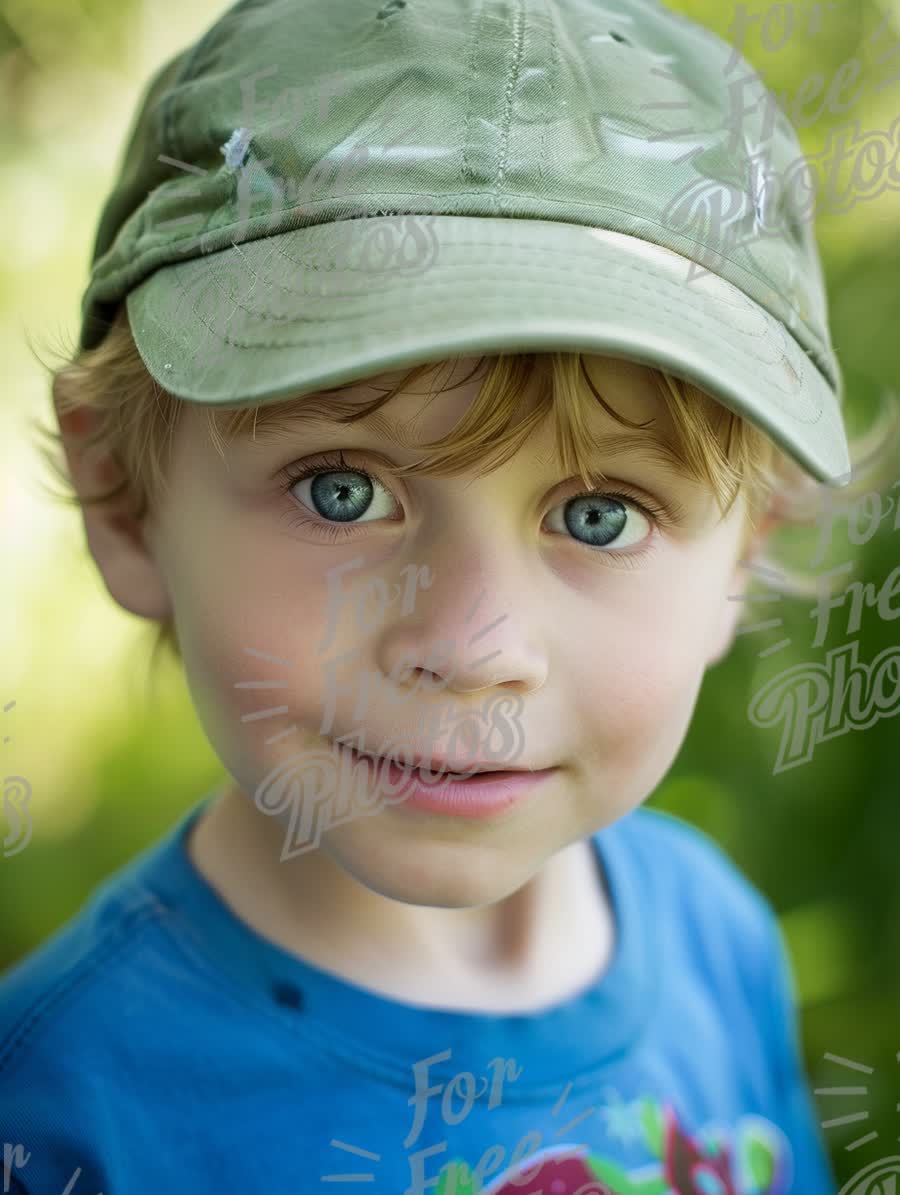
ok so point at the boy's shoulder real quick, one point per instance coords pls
(76, 1009)
(67, 976)
(677, 850)
(697, 890)
(650, 829)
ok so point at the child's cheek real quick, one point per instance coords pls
(249, 639)
(636, 685)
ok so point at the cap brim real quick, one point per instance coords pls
(327, 304)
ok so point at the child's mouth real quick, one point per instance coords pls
(480, 793)
(430, 768)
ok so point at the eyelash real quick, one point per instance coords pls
(337, 531)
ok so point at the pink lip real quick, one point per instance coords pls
(482, 796)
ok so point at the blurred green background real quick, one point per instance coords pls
(111, 768)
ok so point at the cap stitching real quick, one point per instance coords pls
(279, 248)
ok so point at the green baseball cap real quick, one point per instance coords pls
(314, 193)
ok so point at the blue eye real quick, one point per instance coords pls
(604, 520)
(342, 496)
(339, 494)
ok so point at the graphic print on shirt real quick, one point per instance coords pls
(753, 1159)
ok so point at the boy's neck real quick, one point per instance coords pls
(544, 943)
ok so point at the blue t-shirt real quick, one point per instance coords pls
(156, 1043)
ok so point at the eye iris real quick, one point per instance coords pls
(601, 519)
(344, 496)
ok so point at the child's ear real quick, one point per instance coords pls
(730, 615)
(115, 537)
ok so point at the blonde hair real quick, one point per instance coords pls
(136, 420)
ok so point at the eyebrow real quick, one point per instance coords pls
(315, 414)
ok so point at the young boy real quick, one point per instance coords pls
(424, 939)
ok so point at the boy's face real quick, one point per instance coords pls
(605, 645)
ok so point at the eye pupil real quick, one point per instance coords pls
(344, 497)
(601, 519)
